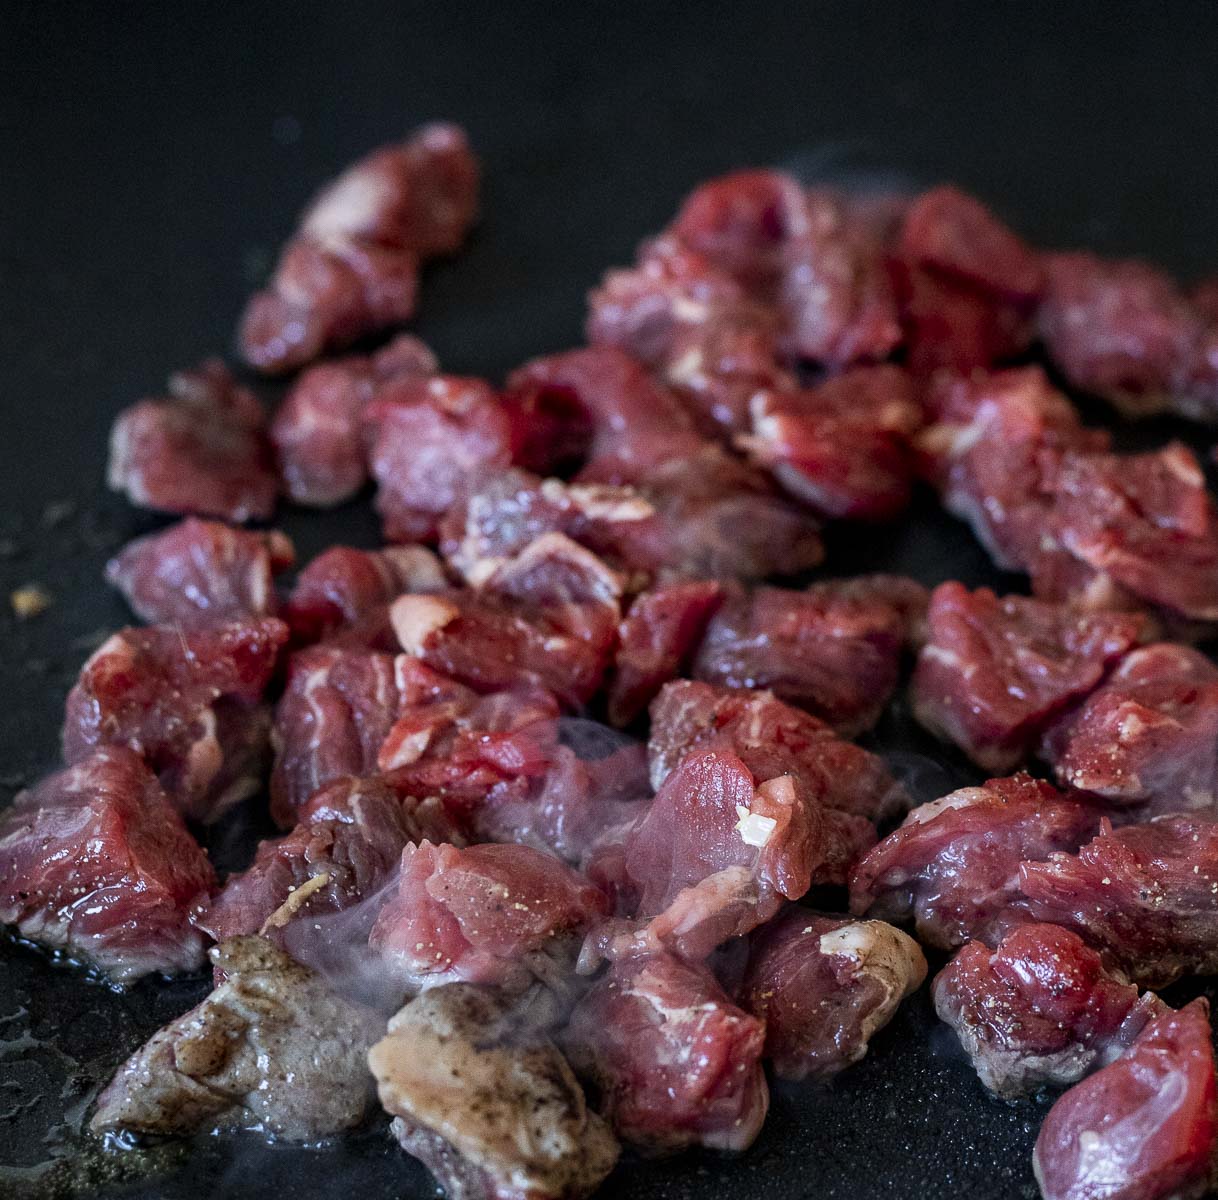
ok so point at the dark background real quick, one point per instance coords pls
(152, 158)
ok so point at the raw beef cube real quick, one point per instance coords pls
(995, 672)
(954, 865)
(201, 449)
(318, 429)
(1147, 740)
(431, 440)
(824, 986)
(1141, 1129)
(677, 1064)
(1144, 896)
(94, 861)
(337, 708)
(272, 1049)
(843, 447)
(351, 269)
(529, 1133)
(837, 655)
(190, 702)
(200, 574)
(656, 641)
(546, 619)
(495, 914)
(347, 845)
(1039, 1010)
(343, 587)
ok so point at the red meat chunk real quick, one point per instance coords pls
(342, 588)
(431, 439)
(842, 448)
(824, 986)
(1144, 1127)
(546, 619)
(336, 710)
(834, 653)
(190, 702)
(352, 267)
(94, 861)
(1146, 741)
(492, 914)
(201, 449)
(1119, 329)
(656, 641)
(1040, 1009)
(954, 865)
(995, 672)
(200, 574)
(1142, 895)
(714, 854)
(676, 1062)
(318, 429)
(346, 847)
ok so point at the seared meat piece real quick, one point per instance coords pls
(1143, 1128)
(1146, 742)
(352, 267)
(201, 449)
(677, 1064)
(201, 574)
(994, 672)
(1144, 896)
(843, 448)
(348, 590)
(190, 702)
(430, 440)
(954, 865)
(486, 1102)
(824, 986)
(94, 861)
(494, 914)
(337, 709)
(318, 429)
(826, 649)
(656, 640)
(1040, 1009)
(272, 1049)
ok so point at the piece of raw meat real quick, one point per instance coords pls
(318, 432)
(95, 862)
(656, 640)
(190, 702)
(336, 710)
(1141, 1129)
(824, 986)
(272, 1049)
(201, 574)
(486, 1102)
(954, 865)
(430, 440)
(505, 915)
(351, 269)
(547, 619)
(1146, 742)
(343, 588)
(995, 672)
(200, 449)
(677, 1064)
(1040, 1009)
(1143, 895)
(833, 653)
(843, 448)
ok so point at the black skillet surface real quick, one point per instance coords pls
(153, 157)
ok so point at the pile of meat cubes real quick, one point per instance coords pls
(556, 764)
